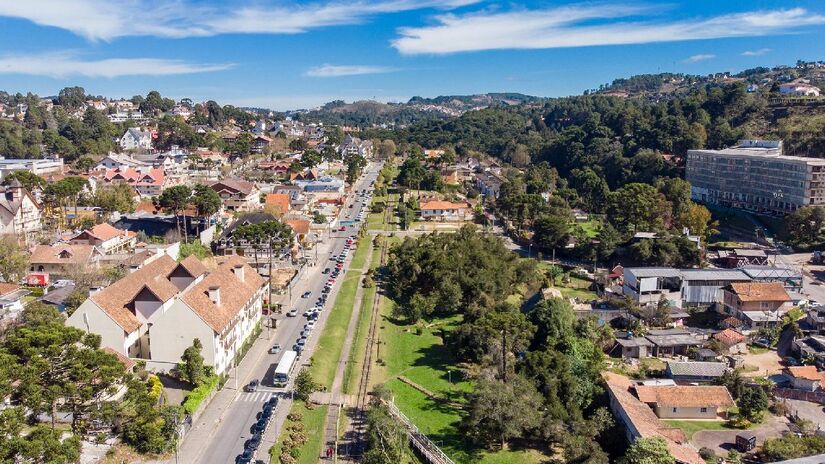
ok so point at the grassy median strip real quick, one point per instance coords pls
(361, 252)
(313, 431)
(359, 344)
(331, 342)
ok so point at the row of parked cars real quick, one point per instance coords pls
(257, 430)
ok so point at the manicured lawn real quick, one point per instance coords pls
(331, 341)
(591, 228)
(314, 429)
(692, 426)
(577, 288)
(359, 346)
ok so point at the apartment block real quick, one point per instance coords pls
(757, 176)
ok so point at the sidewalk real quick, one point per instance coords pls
(200, 435)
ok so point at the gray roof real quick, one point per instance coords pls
(714, 274)
(774, 272)
(818, 459)
(676, 339)
(633, 342)
(696, 368)
(654, 271)
(749, 252)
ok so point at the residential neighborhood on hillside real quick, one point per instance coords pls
(201, 261)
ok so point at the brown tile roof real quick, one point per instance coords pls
(242, 186)
(115, 298)
(729, 337)
(234, 294)
(760, 291)
(279, 200)
(6, 288)
(193, 266)
(646, 423)
(440, 204)
(685, 396)
(105, 232)
(300, 226)
(125, 360)
(806, 372)
(74, 254)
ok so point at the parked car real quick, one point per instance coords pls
(309, 325)
(306, 294)
(276, 348)
(252, 386)
(292, 312)
(326, 271)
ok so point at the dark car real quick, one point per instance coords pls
(253, 443)
(252, 386)
(306, 294)
(273, 401)
(326, 271)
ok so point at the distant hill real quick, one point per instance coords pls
(370, 113)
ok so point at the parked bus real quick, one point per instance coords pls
(284, 368)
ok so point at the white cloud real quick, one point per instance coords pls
(760, 52)
(574, 26)
(698, 58)
(110, 19)
(331, 70)
(62, 64)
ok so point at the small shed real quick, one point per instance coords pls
(745, 441)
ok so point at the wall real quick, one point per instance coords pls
(175, 330)
(666, 412)
(111, 334)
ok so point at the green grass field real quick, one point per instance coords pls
(591, 228)
(692, 426)
(314, 429)
(331, 341)
(423, 359)
(359, 344)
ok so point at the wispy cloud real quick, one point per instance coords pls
(331, 70)
(698, 58)
(760, 52)
(63, 64)
(110, 19)
(586, 25)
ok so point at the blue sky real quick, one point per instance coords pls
(286, 55)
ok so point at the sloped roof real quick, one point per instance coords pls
(279, 200)
(234, 293)
(6, 288)
(153, 276)
(300, 226)
(646, 423)
(807, 373)
(729, 337)
(106, 231)
(241, 186)
(696, 368)
(74, 254)
(441, 204)
(686, 396)
(760, 291)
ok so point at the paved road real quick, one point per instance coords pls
(231, 429)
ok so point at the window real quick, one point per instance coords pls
(703, 410)
(674, 410)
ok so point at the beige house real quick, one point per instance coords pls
(758, 304)
(19, 212)
(686, 401)
(107, 238)
(156, 312)
(238, 195)
(63, 259)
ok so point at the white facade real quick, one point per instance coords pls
(135, 139)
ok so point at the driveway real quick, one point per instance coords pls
(721, 441)
(807, 410)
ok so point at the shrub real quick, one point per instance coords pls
(295, 416)
(707, 453)
(194, 399)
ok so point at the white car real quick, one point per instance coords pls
(310, 325)
(292, 313)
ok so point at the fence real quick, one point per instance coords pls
(425, 447)
(793, 394)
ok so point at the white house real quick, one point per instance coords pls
(136, 139)
(107, 238)
(799, 89)
(440, 210)
(156, 312)
(19, 212)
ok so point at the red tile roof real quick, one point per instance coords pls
(685, 396)
(760, 291)
(729, 337)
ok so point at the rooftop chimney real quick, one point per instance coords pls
(93, 290)
(238, 270)
(215, 294)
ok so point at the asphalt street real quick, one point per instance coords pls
(228, 437)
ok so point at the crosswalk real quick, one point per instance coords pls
(255, 397)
